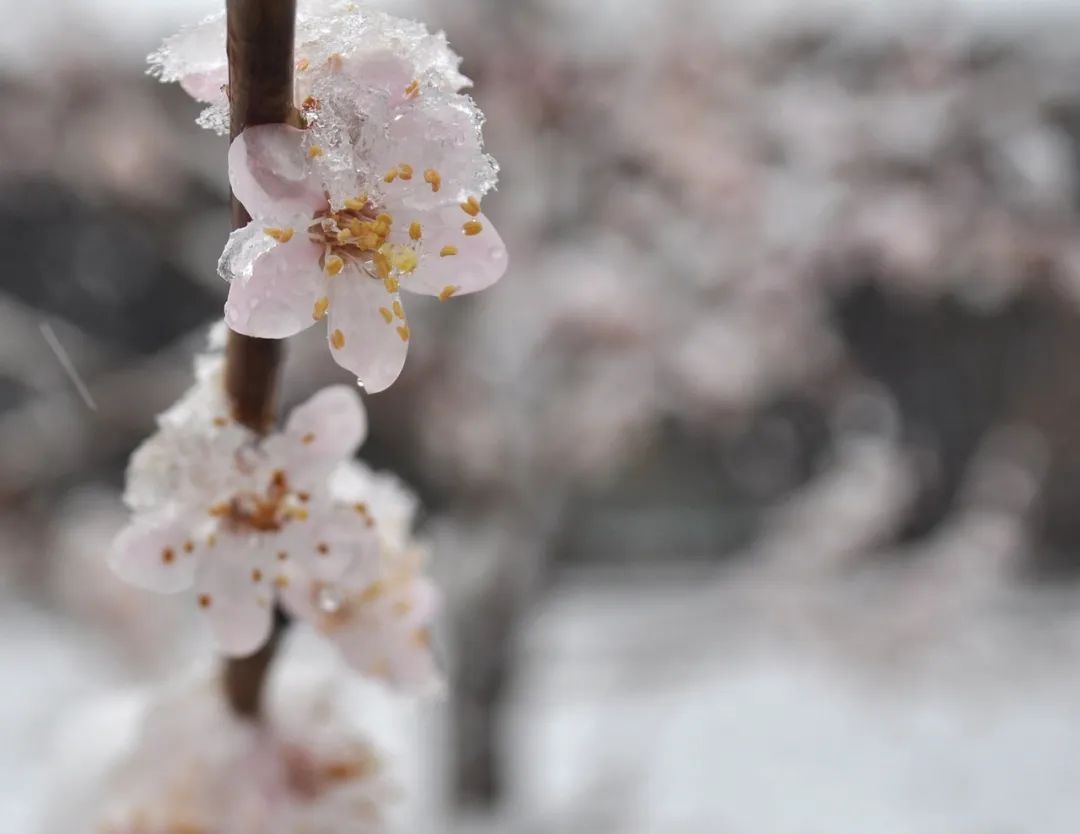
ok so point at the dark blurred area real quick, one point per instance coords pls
(765, 445)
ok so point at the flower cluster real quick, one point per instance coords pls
(287, 518)
(378, 193)
(194, 768)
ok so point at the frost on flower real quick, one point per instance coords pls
(243, 518)
(195, 768)
(379, 193)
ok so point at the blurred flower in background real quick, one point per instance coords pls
(752, 485)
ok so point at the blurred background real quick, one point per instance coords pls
(754, 486)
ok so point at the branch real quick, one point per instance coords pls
(260, 49)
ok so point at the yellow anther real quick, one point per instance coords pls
(281, 581)
(337, 339)
(382, 265)
(473, 228)
(355, 203)
(314, 151)
(391, 284)
(280, 235)
(401, 258)
(390, 175)
(388, 219)
(405, 171)
(302, 64)
(413, 89)
(471, 207)
(433, 178)
(415, 230)
(403, 332)
(447, 291)
(299, 513)
(447, 251)
(334, 265)
(220, 422)
(344, 235)
(320, 308)
(399, 311)
(388, 317)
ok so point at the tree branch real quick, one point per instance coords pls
(260, 49)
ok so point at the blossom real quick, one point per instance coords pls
(192, 766)
(301, 260)
(379, 192)
(381, 626)
(241, 518)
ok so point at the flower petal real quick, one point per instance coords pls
(208, 86)
(479, 260)
(277, 299)
(235, 591)
(155, 553)
(362, 340)
(332, 423)
(270, 175)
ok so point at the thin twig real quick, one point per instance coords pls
(260, 50)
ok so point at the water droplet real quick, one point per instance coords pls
(328, 601)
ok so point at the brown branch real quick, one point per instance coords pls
(260, 49)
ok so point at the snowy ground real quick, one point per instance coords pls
(674, 708)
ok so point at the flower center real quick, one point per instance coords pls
(264, 512)
(359, 235)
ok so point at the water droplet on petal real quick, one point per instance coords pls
(328, 601)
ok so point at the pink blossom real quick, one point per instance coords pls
(379, 193)
(381, 626)
(302, 259)
(242, 518)
(192, 766)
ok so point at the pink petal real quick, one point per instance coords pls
(236, 593)
(270, 175)
(278, 299)
(480, 261)
(206, 86)
(150, 553)
(331, 424)
(373, 348)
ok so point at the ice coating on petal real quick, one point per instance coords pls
(368, 345)
(154, 553)
(477, 262)
(192, 56)
(274, 297)
(269, 174)
(244, 247)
